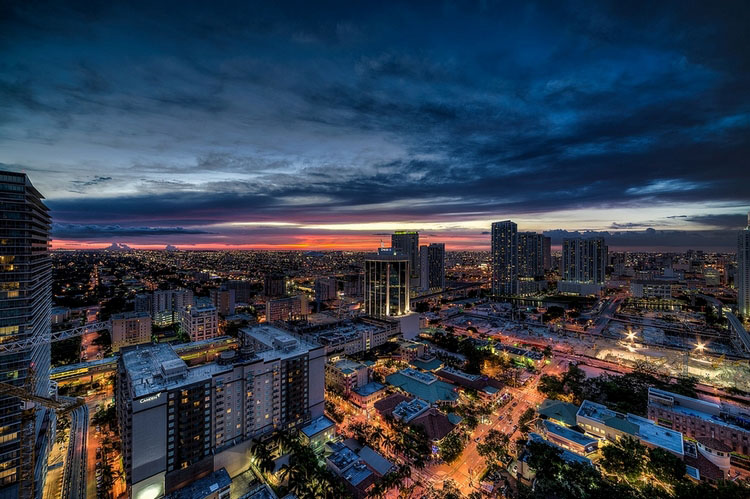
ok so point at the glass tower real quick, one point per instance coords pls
(25, 303)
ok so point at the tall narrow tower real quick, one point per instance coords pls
(25, 300)
(743, 271)
(504, 258)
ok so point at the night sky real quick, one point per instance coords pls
(327, 125)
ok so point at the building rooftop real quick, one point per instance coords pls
(408, 410)
(650, 432)
(431, 364)
(423, 385)
(375, 461)
(130, 315)
(317, 425)
(436, 424)
(567, 455)
(369, 389)
(557, 410)
(567, 433)
(203, 487)
(273, 343)
(156, 367)
(730, 415)
(348, 366)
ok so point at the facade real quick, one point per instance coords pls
(727, 423)
(743, 271)
(26, 301)
(432, 267)
(243, 290)
(547, 253)
(274, 285)
(284, 309)
(504, 258)
(223, 299)
(200, 321)
(318, 433)
(406, 243)
(365, 396)
(179, 424)
(325, 289)
(661, 290)
(584, 260)
(410, 350)
(530, 255)
(346, 375)
(143, 302)
(130, 328)
(387, 285)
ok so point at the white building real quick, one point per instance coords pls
(200, 321)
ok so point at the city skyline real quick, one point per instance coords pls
(280, 127)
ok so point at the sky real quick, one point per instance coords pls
(327, 125)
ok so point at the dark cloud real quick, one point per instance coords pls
(91, 231)
(190, 115)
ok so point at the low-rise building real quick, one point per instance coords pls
(423, 385)
(344, 375)
(567, 438)
(130, 328)
(661, 290)
(365, 396)
(725, 422)
(410, 350)
(603, 423)
(562, 413)
(318, 433)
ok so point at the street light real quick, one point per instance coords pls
(700, 346)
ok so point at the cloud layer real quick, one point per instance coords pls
(310, 124)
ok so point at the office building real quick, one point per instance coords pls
(353, 337)
(725, 422)
(286, 309)
(200, 321)
(223, 299)
(351, 285)
(432, 267)
(583, 265)
(143, 302)
(659, 290)
(180, 424)
(387, 284)
(504, 258)
(167, 304)
(130, 328)
(26, 297)
(274, 285)
(742, 281)
(406, 243)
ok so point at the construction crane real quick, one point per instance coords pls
(30, 401)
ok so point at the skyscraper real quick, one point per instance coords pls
(387, 284)
(406, 243)
(547, 253)
(432, 267)
(26, 297)
(530, 254)
(504, 258)
(743, 271)
(584, 261)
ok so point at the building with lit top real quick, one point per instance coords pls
(387, 284)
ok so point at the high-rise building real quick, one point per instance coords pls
(547, 253)
(432, 267)
(743, 271)
(130, 328)
(406, 243)
(274, 285)
(530, 254)
(243, 290)
(223, 299)
(200, 321)
(180, 423)
(26, 298)
(167, 304)
(584, 261)
(287, 309)
(144, 302)
(325, 289)
(504, 258)
(387, 284)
